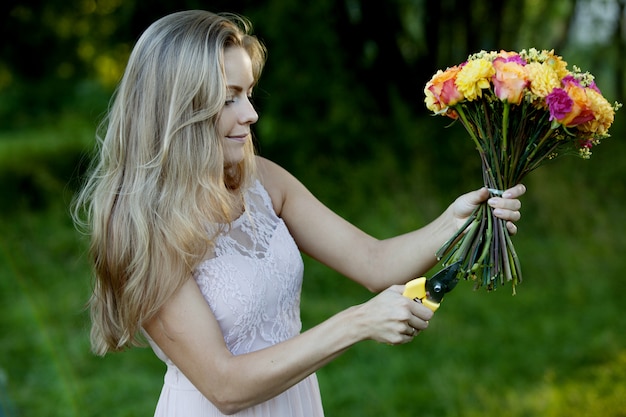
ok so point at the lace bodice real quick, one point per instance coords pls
(253, 282)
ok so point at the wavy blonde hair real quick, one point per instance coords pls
(158, 189)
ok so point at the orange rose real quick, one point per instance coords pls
(581, 110)
(510, 81)
(441, 92)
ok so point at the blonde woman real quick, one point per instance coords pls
(196, 240)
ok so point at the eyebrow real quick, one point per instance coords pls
(239, 89)
(235, 88)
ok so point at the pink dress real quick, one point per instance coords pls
(252, 285)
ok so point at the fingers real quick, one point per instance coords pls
(508, 206)
(411, 331)
(477, 197)
(506, 209)
(514, 192)
(408, 331)
(416, 324)
(418, 320)
(420, 315)
(395, 319)
(512, 228)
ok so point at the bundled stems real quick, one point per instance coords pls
(509, 147)
(512, 140)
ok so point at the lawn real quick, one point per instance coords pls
(557, 348)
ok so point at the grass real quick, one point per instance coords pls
(557, 348)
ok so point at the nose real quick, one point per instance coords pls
(248, 113)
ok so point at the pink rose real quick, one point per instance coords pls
(570, 105)
(559, 103)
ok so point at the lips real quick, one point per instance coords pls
(238, 138)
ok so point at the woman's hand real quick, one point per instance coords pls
(506, 207)
(392, 318)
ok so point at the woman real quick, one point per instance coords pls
(196, 241)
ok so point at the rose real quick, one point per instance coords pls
(441, 92)
(569, 105)
(559, 103)
(510, 80)
(510, 57)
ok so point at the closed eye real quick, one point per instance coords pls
(233, 99)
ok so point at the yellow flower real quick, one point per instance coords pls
(584, 152)
(474, 77)
(603, 112)
(557, 64)
(543, 79)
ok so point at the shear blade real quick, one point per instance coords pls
(442, 282)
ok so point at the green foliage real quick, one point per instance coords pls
(38, 165)
(554, 349)
(340, 105)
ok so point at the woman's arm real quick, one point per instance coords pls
(374, 263)
(188, 333)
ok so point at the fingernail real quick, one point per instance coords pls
(507, 195)
(492, 201)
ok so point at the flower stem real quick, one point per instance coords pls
(505, 132)
(540, 144)
(446, 246)
(486, 243)
(468, 127)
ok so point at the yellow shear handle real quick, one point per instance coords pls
(416, 290)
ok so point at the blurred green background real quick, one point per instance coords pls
(341, 106)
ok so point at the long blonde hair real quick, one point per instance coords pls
(158, 190)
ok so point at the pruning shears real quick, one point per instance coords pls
(430, 291)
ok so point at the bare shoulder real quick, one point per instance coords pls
(268, 168)
(276, 180)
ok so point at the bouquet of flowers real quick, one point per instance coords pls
(520, 109)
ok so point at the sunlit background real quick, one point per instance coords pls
(341, 106)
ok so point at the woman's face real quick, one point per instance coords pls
(238, 113)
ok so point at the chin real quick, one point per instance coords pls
(232, 159)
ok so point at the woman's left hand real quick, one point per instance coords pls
(506, 207)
